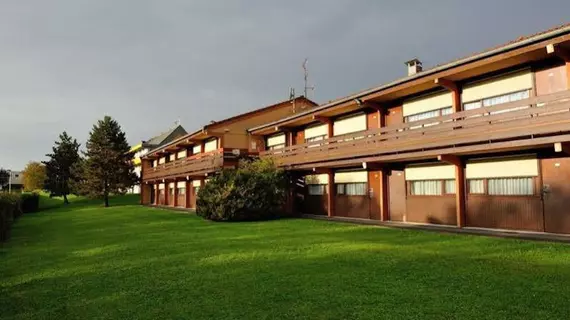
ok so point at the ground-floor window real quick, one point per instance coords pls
(476, 186)
(316, 189)
(511, 186)
(351, 189)
(426, 188)
(516, 186)
(431, 187)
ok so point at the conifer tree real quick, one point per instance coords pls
(108, 168)
(65, 153)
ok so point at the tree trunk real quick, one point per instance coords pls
(65, 201)
(106, 200)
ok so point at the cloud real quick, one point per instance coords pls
(66, 63)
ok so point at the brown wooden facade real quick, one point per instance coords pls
(173, 174)
(496, 155)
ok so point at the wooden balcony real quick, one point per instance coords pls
(193, 166)
(530, 123)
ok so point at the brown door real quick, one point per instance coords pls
(394, 116)
(193, 197)
(556, 194)
(170, 196)
(181, 197)
(551, 79)
(372, 121)
(300, 137)
(397, 195)
(161, 197)
(374, 193)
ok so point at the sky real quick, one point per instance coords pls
(64, 64)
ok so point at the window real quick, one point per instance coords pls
(511, 186)
(449, 186)
(316, 189)
(276, 147)
(509, 97)
(429, 114)
(196, 189)
(316, 138)
(476, 186)
(351, 189)
(426, 188)
(182, 191)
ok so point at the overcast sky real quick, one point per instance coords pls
(66, 63)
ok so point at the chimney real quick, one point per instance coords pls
(414, 66)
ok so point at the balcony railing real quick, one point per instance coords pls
(195, 165)
(521, 123)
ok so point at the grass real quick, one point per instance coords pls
(130, 262)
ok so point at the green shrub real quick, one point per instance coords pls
(256, 190)
(30, 202)
(10, 210)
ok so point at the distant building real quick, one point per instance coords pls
(143, 148)
(16, 183)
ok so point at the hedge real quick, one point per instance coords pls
(254, 191)
(12, 206)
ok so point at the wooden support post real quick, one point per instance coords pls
(331, 194)
(175, 202)
(330, 129)
(384, 195)
(455, 93)
(156, 193)
(188, 190)
(166, 192)
(460, 189)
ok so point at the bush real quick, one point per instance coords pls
(10, 210)
(12, 206)
(256, 190)
(30, 202)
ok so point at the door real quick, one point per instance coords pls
(374, 193)
(397, 195)
(171, 196)
(152, 194)
(394, 116)
(556, 194)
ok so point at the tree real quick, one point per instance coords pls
(4, 177)
(34, 176)
(65, 153)
(108, 168)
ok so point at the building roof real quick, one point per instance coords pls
(234, 118)
(511, 45)
(164, 137)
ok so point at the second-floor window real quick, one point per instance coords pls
(276, 142)
(505, 98)
(427, 115)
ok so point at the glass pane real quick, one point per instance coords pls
(316, 189)
(426, 187)
(511, 186)
(340, 188)
(476, 186)
(472, 105)
(450, 186)
(356, 189)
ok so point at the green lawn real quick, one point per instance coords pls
(131, 262)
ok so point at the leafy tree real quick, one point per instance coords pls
(4, 177)
(108, 168)
(34, 176)
(65, 153)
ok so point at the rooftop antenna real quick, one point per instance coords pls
(306, 70)
(291, 93)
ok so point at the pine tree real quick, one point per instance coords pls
(65, 153)
(107, 168)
